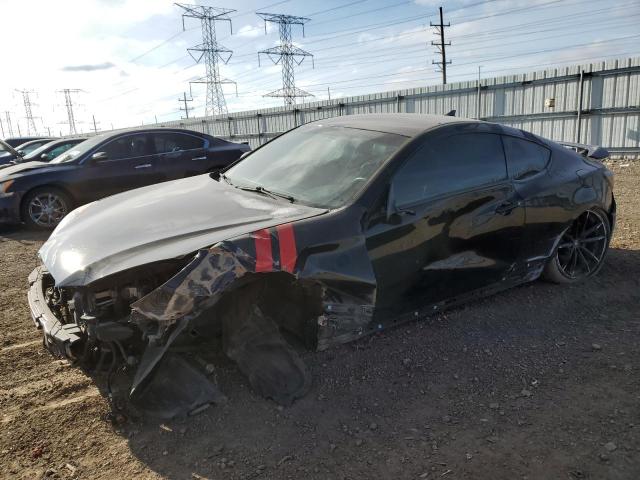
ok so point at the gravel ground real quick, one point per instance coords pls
(537, 382)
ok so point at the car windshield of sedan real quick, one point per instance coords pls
(323, 166)
(72, 154)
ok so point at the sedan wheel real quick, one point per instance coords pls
(45, 208)
(582, 248)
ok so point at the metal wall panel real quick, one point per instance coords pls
(610, 113)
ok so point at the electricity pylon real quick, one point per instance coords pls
(212, 52)
(286, 54)
(28, 114)
(9, 126)
(68, 102)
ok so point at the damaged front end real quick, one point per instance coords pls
(167, 330)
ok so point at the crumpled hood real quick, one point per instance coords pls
(158, 222)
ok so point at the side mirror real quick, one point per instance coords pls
(99, 156)
(44, 157)
(21, 153)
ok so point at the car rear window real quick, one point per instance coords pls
(524, 158)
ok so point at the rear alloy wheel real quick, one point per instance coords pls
(581, 250)
(44, 208)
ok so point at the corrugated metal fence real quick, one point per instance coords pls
(597, 103)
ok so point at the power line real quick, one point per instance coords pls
(321, 12)
(254, 72)
(286, 54)
(475, 62)
(212, 52)
(380, 25)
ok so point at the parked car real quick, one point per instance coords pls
(16, 141)
(22, 150)
(28, 147)
(7, 152)
(46, 152)
(334, 230)
(49, 151)
(40, 194)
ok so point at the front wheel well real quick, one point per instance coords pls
(44, 187)
(293, 304)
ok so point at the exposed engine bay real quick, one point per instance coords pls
(96, 328)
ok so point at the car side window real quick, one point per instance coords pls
(127, 146)
(176, 142)
(60, 149)
(524, 158)
(450, 164)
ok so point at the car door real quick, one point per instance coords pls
(128, 162)
(180, 154)
(456, 224)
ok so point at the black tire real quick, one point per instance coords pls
(43, 208)
(581, 249)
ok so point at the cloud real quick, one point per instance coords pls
(88, 68)
(251, 31)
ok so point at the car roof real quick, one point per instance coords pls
(37, 140)
(128, 131)
(407, 124)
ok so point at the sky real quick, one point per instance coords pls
(128, 65)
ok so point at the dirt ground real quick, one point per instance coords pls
(540, 382)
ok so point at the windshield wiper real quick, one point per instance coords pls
(225, 178)
(267, 192)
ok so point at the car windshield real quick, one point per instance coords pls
(35, 154)
(27, 148)
(77, 150)
(323, 166)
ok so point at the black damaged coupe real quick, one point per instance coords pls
(334, 230)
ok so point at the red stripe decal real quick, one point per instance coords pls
(264, 257)
(288, 254)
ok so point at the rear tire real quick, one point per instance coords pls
(43, 208)
(581, 250)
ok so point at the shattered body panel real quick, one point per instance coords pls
(215, 261)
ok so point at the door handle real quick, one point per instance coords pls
(506, 208)
(199, 158)
(144, 165)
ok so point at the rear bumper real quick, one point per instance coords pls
(10, 207)
(58, 338)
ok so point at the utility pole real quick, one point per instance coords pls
(2, 128)
(286, 54)
(95, 125)
(186, 107)
(28, 114)
(68, 102)
(329, 92)
(479, 105)
(212, 52)
(441, 45)
(9, 126)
